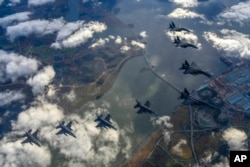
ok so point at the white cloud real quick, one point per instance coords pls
(185, 3)
(177, 149)
(68, 29)
(13, 154)
(51, 91)
(8, 97)
(14, 66)
(232, 42)
(181, 13)
(143, 34)
(71, 96)
(17, 17)
(164, 123)
(68, 34)
(237, 13)
(41, 79)
(39, 115)
(125, 48)
(138, 44)
(81, 36)
(236, 139)
(118, 40)
(99, 43)
(39, 2)
(38, 27)
(1, 1)
(185, 37)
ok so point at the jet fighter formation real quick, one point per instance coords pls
(179, 43)
(31, 138)
(173, 27)
(104, 122)
(193, 69)
(67, 130)
(144, 108)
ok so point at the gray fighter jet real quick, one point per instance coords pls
(65, 129)
(144, 108)
(31, 138)
(193, 69)
(104, 122)
(190, 100)
(179, 43)
(173, 27)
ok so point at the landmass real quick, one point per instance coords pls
(88, 72)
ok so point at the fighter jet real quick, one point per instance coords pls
(193, 69)
(65, 129)
(190, 100)
(172, 27)
(31, 138)
(104, 122)
(178, 43)
(144, 108)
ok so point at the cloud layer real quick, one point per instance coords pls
(237, 13)
(234, 43)
(41, 79)
(181, 13)
(17, 17)
(37, 27)
(68, 34)
(235, 138)
(14, 66)
(8, 97)
(80, 36)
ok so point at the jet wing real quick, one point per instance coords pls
(191, 45)
(100, 125)
(141, 110)
(186, 91)
(69, 125)
(27, 140)
(147, 103)
(151, 112)
(188, 71)
(188, 102)
(60, 132)
(183, 29)
(107, 118)
(194, 65)
(35, 133)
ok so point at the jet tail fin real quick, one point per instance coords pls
(97, 117)
(186, 91)
(137, 104)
